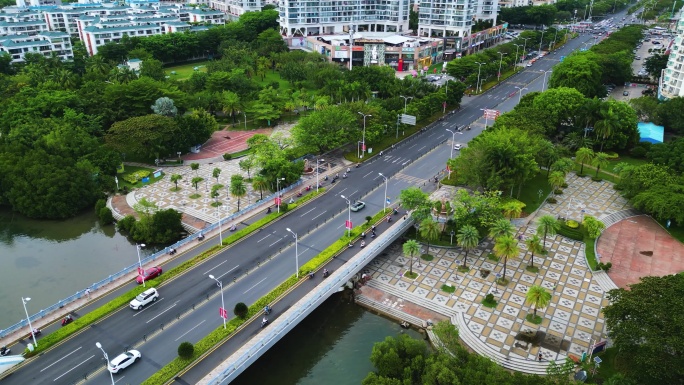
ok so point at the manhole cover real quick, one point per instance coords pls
(646, 253)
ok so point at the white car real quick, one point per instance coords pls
(458, 146)
(123, 360)
(144, 298)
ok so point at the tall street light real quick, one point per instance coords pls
(544, 83)
(477, 85)
(453, 139)
(106, 357)
(24, 300)
(296, 251)
(141, 271)
(406, 99)
(515, 64)
(244, 113)
(498, 77)
(541, 41)
(384, 203)
(524, 53)
(318, 171)
(349, 211)
(278, 188)
(554, 38)
(363, 141)
(223, 306)
(218, 213)
(520, 90)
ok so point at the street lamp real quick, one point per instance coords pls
(296, 251)
(141, 272)
(384, 204)
(515, 64)
(453, 139)
(544, 83)
(111, 375)
(524, 53)
(218, 213)
(554, 38)
(541, 42)
(244, 113)
(406, 99)
(498, 77)
(363, 140)
(278, 188)
(520, 92)
(24, 300)
(349, 210)
(477, 85)
(223, 306)
(317, 171)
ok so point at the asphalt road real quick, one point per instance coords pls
(188, 307)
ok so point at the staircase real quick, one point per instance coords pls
(390, 311)
(603, 280)
(614, 218)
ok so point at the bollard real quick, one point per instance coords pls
(234, 279)
(144, 337)
(161, 326)
(178, 316)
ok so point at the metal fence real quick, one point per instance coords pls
(129, 269)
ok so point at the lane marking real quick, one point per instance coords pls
(314, 218)
(279, 239)
(205, 273)
(255, 285)
(308, 212)
(368, 174)
(155, 317)
(147, 307)
(420, 149)
(412, 146)
(267, 235)
(193, 328)
(227, 272)
(47, 367)
(67, 372)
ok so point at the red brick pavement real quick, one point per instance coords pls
(639, 247)
(222, 142)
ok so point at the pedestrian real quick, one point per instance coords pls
(87, 292)
(539, 357)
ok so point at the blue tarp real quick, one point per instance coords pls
(649, 132)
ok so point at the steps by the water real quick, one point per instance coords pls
(388, 310)
(426, 303)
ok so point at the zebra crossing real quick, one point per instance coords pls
(409, 179)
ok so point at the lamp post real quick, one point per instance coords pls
(278, 188)
(317, 171)
(363, 140)
(498, 77)
(384, 203)
(24, 300)
(486, 115)
(106, 357)
(544, 83)
(406, 99)
(477, 85)
(554, 39)
(349, 211)
(541, 42)
(524, 53)
(218, 213)
(515, 64)
(520, 90)
(223, 306)
(141, 272)
(244, 113)
(296, 251)
(453, 139)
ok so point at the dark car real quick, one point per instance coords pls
(151, 273)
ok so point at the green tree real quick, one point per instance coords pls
(548, 225)
(656, 64)
(241, 310)
(186, 350)
(512, 209)
(149, 136)
(506, 247)
(215, 173)
(606, 126)
(663, 201)
(175, 178)
(411, 248)
(580, 71)
(534, 246)
(260, 183)
(237, 188)
(323, 130)
(468, 238)
(584, 155)
(196, 181)
(231, 103)
(246, 165)
(501, 228)
(600, 160)
(414, 199)
(556, 180)
(195, 167)
(429, 230)
(538, 297)
(399, 357)
(593, 226)
(152, 68)
(164, 106)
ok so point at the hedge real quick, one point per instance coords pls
(123, 300)
(571, 233)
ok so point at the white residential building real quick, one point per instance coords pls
(235, 8)
(27, 23)
(671, 81)
(44, 43)
(453, 17)
(328, 17)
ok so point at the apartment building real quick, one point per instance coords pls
(44, 43)
(671, 81)
(453, 17)
(235, 8)
(326, 17)
(26, 23)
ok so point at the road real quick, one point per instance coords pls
(188, 307)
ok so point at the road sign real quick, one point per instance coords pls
(277, 201)
(348, 225)
(388, 201)
(223, 313)
(408, 119)
(491, 114)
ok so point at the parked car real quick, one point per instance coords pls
(146, 297)
(637, 58)
(151, 273)
(625, 93)
(458, 146)
(124, 360)
(358, 205)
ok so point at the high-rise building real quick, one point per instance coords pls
(673, 75)
(325, 17)
(453, 17)
(235, 8)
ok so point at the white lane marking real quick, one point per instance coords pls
(308, 212)
(368, 174)
(47, 367)
(396, 160)
(144, 309)
(405, 163)
(67, 372)
(314, 218)
(193, 328)
(420, 149)
(267, 235)
(279, 239)
(153, 318)
(341, 191)
(120, 378)
(222, 275)
(206, 272)
(255, 285)
(412, 146)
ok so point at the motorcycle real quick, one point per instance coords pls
(264, 322)
(172, 251)
(67, 320)
(36, 333)
(311, 275)
(268, 211)
(299, 194)
(4, 351)
(267, 310)
(326, 273)
(200, 237)
(308, 188)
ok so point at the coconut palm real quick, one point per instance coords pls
(563, 165)
(429, 230)
(533, 246)
(175, 178)
(512, 209)
(600, 160)
(538, 297)
(556, 180)
(231, 103)
(608, 124)
(260, 183)
(584, 155)
(467, 238)
(501, 228)
(237, 188)
(506, 247)
(410, 248)
(548, 225)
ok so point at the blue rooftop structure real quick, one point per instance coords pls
(650, 132)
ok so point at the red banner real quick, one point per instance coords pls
(348, 225)
(223, 313)
(277, 201)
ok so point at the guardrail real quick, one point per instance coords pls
(129, 269)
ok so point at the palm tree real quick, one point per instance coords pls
(237, 188)
(600, 160)
(175, 178)
(230, 102)
(97, 64)
(548, 225)
(506, 247)
(260, 183)
(533, 246)
(609, 123)
(563, 165)
(512, 208)
(410, 248)
(194, 167)
(215, 173)
(429, 230)
(501, 228)
(556, 180)
(584, 155)
(467, 238)
(215, 194)
(538, 297)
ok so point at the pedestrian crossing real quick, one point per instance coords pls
(412, 180)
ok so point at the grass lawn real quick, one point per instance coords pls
(185, 71)
(611, 365)
(272, 76)
(529, 194)
(590, 172)
(677, 232)
(626, 159)
(131, 169)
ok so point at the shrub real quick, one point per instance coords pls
(448, 288)
(639, 152)
(136, 176)
(427, 257)
(552, 200)
(186, 350)
(596, 178)
(558, 192)
(571, 233)
(227, 156)
(240, 310)
(572, 224)
(489, 300)
(604, 266)
(126, 224)
(99, 205)
(105, 215)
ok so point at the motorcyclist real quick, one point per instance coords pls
(4, 350)
(264, 321)
(363, 244)
(325, 273)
